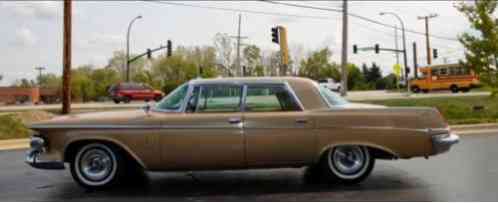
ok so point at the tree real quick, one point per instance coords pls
(252, 58)
(117, 62)
(356, 81)
(103, 78)
(224, 52)
(317, 66)
(481, 46)
(82, 86)
(50, 80)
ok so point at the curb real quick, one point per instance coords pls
(14, 144)
(484, 126)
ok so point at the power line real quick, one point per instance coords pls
(291, 15)
(357, 16)
(237, 10)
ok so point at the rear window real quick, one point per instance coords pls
(270, 98)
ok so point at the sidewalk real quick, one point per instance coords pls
(463, 130)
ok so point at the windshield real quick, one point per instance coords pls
(332, 98)
(174, 100)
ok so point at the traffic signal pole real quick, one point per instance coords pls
(66, 61)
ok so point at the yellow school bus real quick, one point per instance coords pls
(454, 77)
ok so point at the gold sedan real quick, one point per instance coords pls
(239, 123)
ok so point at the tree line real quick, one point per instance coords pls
(91, 83)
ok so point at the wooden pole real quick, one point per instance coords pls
(66, 72)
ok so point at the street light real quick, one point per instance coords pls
(404, 44)
(128, 48)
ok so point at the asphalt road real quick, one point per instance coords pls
(467, 173)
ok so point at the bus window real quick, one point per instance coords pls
(443, 71)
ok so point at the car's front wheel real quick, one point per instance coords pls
(348, 164)
(97, 166)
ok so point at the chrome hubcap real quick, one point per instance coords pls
(348, 159)
(96, 164)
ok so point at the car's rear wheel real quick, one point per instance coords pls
(127, 99)
(454, 89)
(116, 101)
(415, 89)
(97, 166)
(348, 164)
(157, 98)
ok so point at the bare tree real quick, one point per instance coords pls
(224, 51)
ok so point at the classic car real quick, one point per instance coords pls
(239, 123)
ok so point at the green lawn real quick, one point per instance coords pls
(457, 110)
(12, 127)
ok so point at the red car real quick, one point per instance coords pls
(126, 92)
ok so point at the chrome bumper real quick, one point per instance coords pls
(442, 143)
(33, 156)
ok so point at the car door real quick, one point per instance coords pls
(277, 130)
(209, 134)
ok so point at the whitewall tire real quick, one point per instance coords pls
(97, 166)
(347, 164)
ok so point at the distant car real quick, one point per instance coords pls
(330, 84)
(126, 92)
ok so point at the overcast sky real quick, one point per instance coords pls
(32, 31)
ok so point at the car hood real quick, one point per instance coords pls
(88, 119)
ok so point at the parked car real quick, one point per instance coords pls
(239, 123)
(330, 84)
(126, 92)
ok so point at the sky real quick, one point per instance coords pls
(32, 31)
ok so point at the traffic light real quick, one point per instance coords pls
(169, 48)
(149, 53)
(434, 53)
(274, 35)
(377, 48)
(355, 49)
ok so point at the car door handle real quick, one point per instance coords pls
(301, 121)
(234, 120)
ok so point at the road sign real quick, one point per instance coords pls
(397, 70)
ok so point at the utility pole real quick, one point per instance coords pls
(39, 69)
(427, 41)
(239, 38)
(415, 63)
(344, 56)
(66, 61)
(396, 43)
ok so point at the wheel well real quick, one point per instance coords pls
(453, 85)
(375, 152)
(72, 149)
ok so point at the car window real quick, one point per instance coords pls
(174, 100)
(332, 98)
(269, 98)
(219, 98)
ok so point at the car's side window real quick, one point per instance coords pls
(174, 100)
(269, 98)
(219, 98)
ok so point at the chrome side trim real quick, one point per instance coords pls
(423, 130)
(131, 127)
